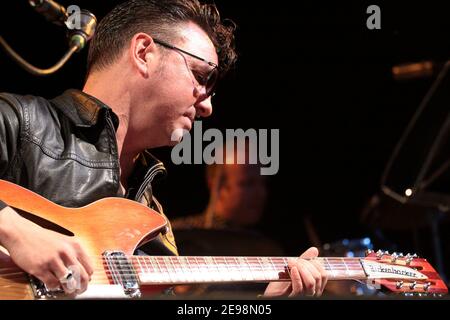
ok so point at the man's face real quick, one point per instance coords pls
(180, 98)
(243, 194)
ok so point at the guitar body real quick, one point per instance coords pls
(108, 224)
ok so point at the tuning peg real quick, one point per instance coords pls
(410, 258)
(400, 285)
(380, 254)
(394, 257)
(369, 252)
(413, 285)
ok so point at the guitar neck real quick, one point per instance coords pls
(189, 270)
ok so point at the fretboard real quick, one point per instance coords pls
(189, 270)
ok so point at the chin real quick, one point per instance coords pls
(186, 123)
(173, 143)
(177, 136)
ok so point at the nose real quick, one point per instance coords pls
(204, 107)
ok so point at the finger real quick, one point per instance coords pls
(83, 258)
(316, 275)
(49, 279)
(80, 276)
(324, 276)
(312, 270)
(296, 282)
(83, 279)
(85, 262)
(62, 277)
(309, 283)
(310, 253)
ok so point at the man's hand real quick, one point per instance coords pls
(308, 277)
(45, 254)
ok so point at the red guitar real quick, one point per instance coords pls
(111, 229)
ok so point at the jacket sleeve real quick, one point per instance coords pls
(9, 135)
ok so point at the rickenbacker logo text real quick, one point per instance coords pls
(391, 270)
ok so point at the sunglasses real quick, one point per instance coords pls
(208, 81)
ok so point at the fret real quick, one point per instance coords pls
(234, 276)
(245, 269)
(222, 272)
(347, 270)
(204, 272)
(275, 269)
(211, 269)
(210, 276)
(196, 272)
(255, 268)
(146, 272)
(239, 270)
(178, 270)
(170, 271)
(261, 271)
(155, 275)
(270, 273)
(214, 271)
(163, 273)
(184, 270)
(191, 270)
(331, 269)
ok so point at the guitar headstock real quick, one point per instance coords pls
(403, 274)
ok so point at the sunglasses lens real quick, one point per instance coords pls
(212, 81)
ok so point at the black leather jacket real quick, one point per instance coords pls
(65, 149)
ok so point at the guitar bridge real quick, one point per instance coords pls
(41, 291)
(122, 272)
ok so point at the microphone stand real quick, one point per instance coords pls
(77, 41)
(32, 69)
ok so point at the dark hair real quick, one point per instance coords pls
(158, 18)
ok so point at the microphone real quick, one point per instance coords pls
(81, 23)
(51, 10)
(410, 71)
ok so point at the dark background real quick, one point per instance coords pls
(312, 70)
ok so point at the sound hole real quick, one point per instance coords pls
(44, 223)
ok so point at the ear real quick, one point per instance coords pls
(142, 53)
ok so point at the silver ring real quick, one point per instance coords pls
(67, 277)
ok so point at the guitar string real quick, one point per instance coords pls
(240, 266)
(192, 270)
(251, 265)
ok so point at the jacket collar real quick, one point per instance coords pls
(83, 109)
